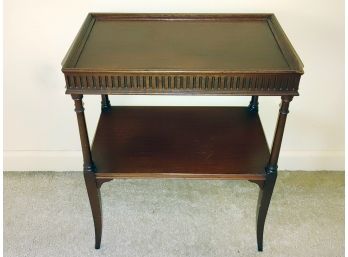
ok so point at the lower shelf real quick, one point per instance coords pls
(180, 142)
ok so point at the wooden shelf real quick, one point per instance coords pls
(185, 142)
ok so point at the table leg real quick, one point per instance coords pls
(254, 104)
(253, 107)
(88, 170)
(105, 103)
(93, 191)
(266, 189)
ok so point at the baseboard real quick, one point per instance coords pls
(312, 160)
(72, 160)
(42, 160)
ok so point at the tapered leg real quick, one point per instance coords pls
(95, 201)
(88, 170)
(265, 195)
(266, 189)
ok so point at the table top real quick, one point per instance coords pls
(234, 54)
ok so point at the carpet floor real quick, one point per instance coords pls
(47, 214)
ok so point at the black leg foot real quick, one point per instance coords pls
(95, 202)
(265, 196)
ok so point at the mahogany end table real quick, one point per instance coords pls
(181, 54)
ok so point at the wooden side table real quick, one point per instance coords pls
(181, 54)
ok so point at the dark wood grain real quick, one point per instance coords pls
(173, 45)
(266, 189)
(278, 135)
(188, 142)
(181, 54)
(89, 170)
(88, 164)
(220, 54)
(93, 191)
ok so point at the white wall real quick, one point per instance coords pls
(40, 129)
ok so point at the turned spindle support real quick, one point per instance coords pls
(105, 103)
(254, 104)
(266, 190)
(88, 170)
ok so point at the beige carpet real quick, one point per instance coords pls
(47, 214)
